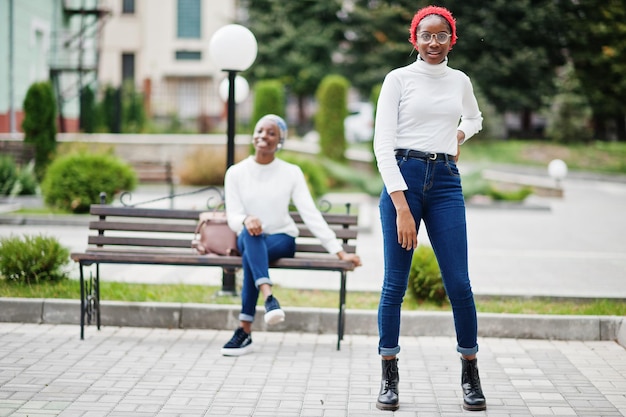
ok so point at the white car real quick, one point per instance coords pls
(359, 124)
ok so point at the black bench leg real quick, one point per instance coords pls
(97, 295)
(342, 307)
(89, 299)
(82, 303)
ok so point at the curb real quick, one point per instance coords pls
(312, 320)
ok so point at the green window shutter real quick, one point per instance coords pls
(189, 19)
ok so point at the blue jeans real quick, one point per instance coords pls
(257, 252)
(434, 195)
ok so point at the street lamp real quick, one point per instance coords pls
(233, 49)
(557, 169)
(242, 88)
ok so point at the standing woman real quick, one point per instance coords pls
(258, 192)
(426, 110)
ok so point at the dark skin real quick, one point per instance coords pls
(433, 53)
(266, 142)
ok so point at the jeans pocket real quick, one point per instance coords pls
(452, 169)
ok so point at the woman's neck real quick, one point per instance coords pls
(264, 159)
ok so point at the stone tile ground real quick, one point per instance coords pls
(45, 370)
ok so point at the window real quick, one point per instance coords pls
(188, 55)
(128, 6)
(128, 67)
(189, 19)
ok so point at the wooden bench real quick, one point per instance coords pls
(21, 152)
(156, 172)
(153, 171)
(131, 235)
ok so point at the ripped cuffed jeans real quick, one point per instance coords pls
(257, 252)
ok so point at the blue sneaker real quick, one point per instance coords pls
(273, 313)
(239, 344)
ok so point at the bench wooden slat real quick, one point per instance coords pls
(331, 219)
(317, 248)
(341, 233)
(143, 227)
(106, 210)
(169, 258)
(139, 241)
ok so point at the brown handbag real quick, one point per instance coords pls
(213, 236)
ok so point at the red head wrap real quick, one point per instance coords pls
(429, 10)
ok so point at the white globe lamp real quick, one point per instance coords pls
(557, 169)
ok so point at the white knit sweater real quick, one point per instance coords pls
(420, 107)
(265, 191)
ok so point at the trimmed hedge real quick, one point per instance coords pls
(332, 97)
(74, 182)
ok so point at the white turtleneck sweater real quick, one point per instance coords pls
(265, 191)
(420, 107)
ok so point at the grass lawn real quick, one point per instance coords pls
(115, 291)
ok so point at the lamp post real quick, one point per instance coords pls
(232, 49)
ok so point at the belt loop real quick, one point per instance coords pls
(404, 153)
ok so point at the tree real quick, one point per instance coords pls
(296, 40)
(332, 96)
(39, 124)
(569, 115)
(269, 97)
(87, 118)
(376, 41)
(511, 50)
(595, 35)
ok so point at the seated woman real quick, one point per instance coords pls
(258, 192)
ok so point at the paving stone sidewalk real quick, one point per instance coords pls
(45, 370)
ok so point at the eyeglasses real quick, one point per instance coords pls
(441, 37)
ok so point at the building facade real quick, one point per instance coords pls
(161, 47)
(47, 40)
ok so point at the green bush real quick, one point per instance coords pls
(74, 182)
(39, 124)
(8, 174)
(518, 194)
(32, 259)
(474, 184)
(425, 283)
(133, 113)
(269, 98)
(14, 180)
(26, 180)
(332, 97)
(342, 175)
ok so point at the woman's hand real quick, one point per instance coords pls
(460, 138)
(352, 257)
(253, 225)
(405, 223)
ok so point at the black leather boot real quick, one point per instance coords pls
(388, 396)
(473, 398)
